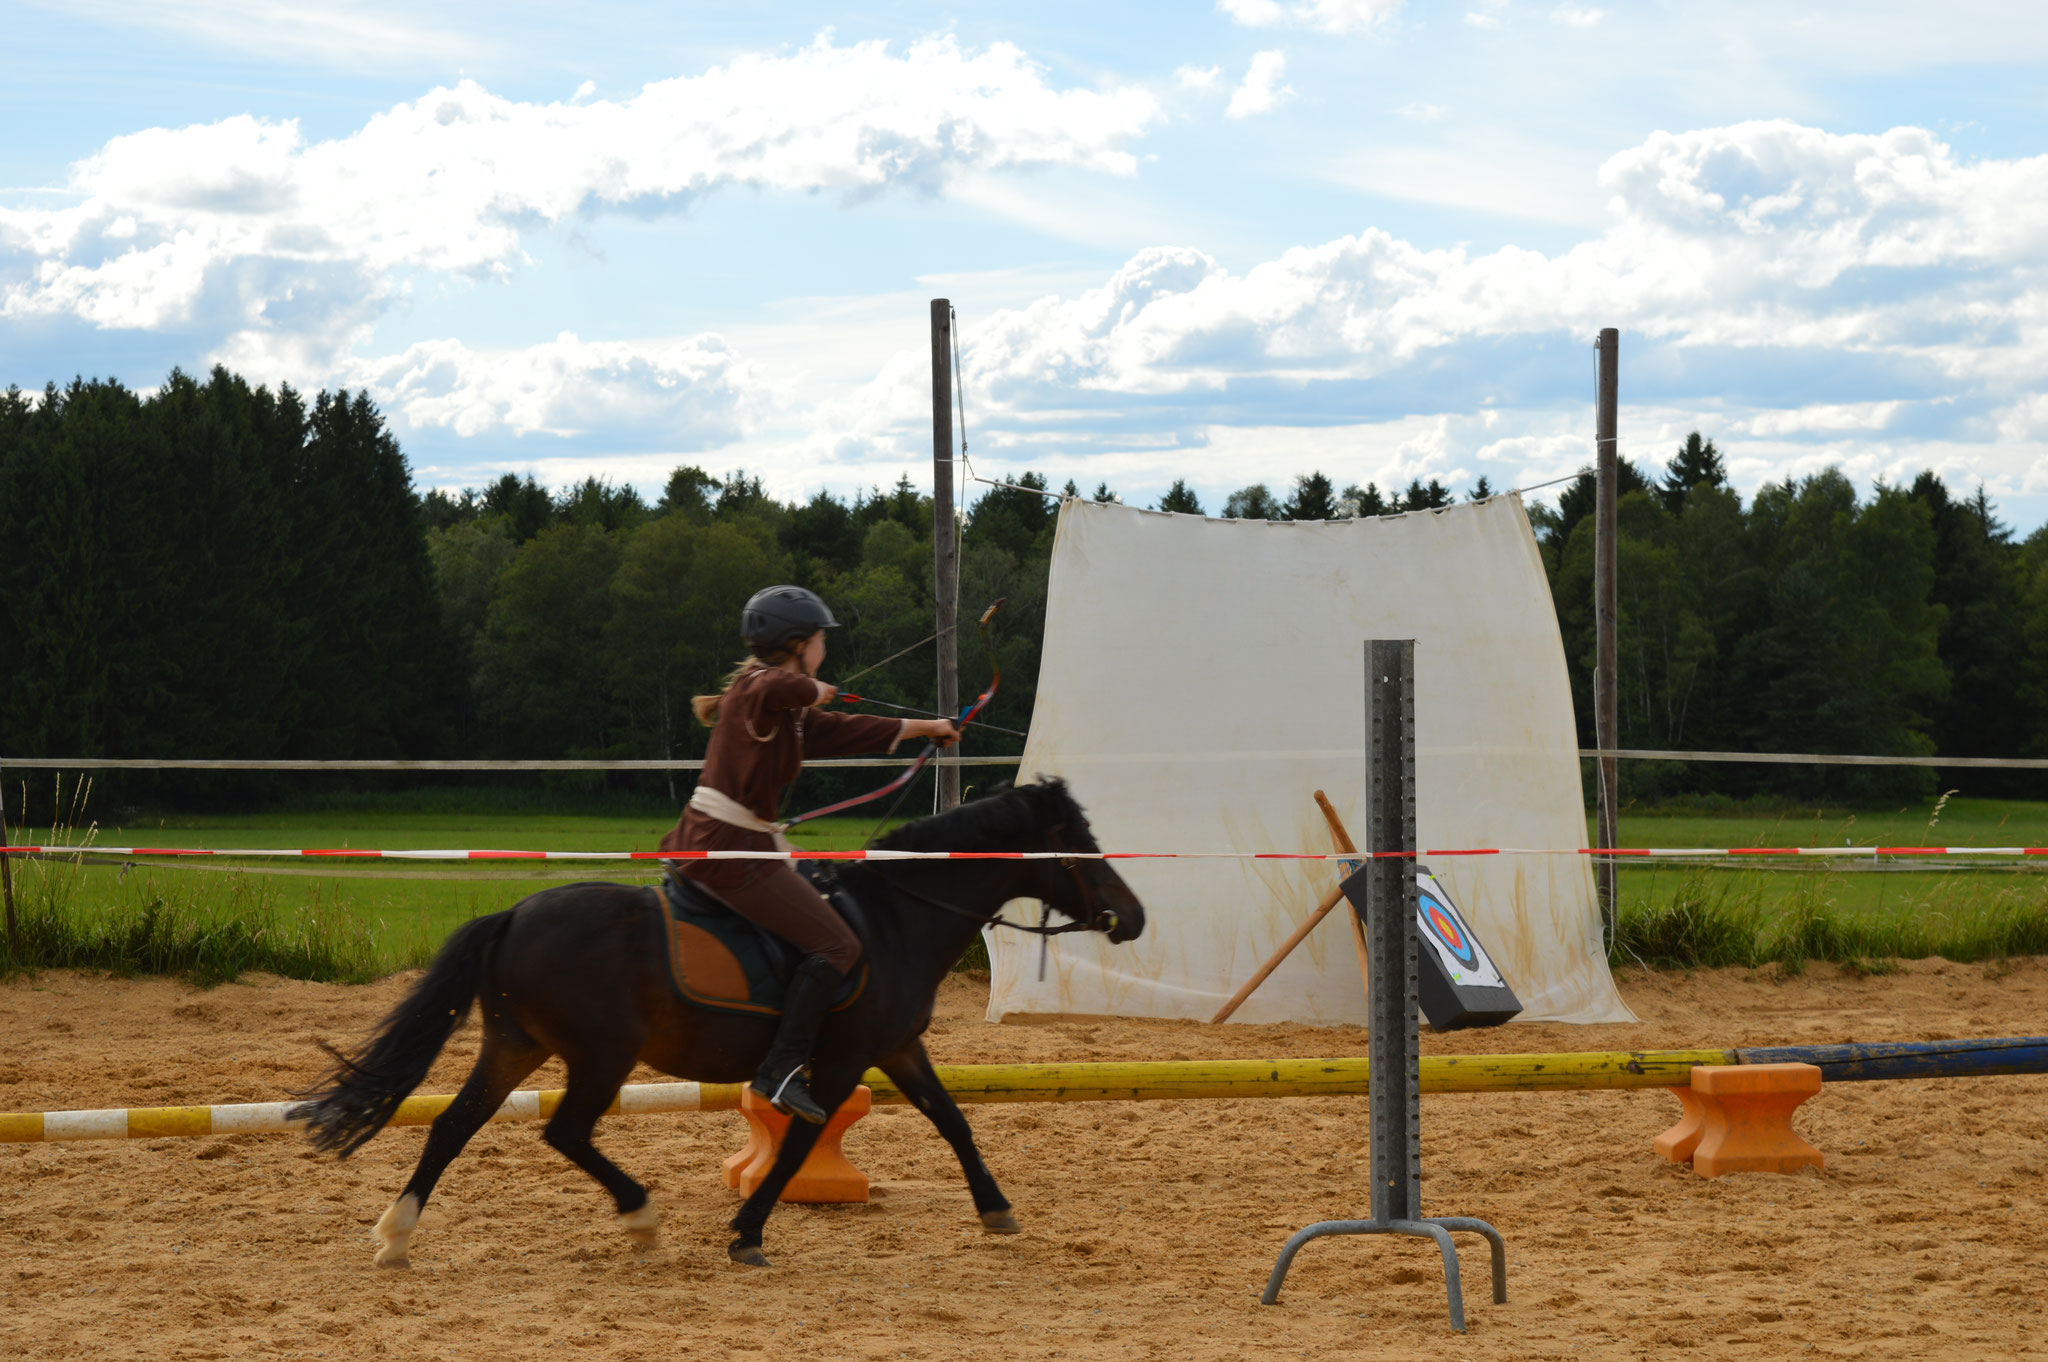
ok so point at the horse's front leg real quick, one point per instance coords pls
(831, 1085)
(911, 1070)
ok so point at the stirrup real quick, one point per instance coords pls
(794, 1101)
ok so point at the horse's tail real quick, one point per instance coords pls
(362, 1091)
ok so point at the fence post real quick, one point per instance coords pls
(945, 549)
(1605, 611)
(7, 877)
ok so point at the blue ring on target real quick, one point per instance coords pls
(1446, 929)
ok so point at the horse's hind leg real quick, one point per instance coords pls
(506, 1056)
(593, 1082)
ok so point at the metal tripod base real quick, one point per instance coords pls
(1436, 1227)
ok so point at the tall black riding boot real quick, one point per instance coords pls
(781, 1077)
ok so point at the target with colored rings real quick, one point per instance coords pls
(1445, 927)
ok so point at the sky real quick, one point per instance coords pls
(1223, 243)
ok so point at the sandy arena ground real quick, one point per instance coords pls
(1149, 1228)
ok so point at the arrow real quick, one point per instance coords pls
(852, 699)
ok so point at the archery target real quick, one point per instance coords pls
(1438, 923)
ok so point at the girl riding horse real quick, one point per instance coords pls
(764, 723)
(581, 971)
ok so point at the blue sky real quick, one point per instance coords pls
(1226, 243)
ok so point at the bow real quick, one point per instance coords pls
(901, 784)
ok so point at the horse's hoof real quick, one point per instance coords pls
(1000, 1222)
(747, 1255)
(642, 1227)
(393, 1231)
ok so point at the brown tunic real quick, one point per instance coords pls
(765, 729)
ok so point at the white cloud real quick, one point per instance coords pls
(1821, 417)
(689, 394)
(1417, 112)
(1488, 15)
(1762, 235)
(1261, 90)
(1577, 16)
(291, 249)
(1198, 77)
(1330, 16)
(1489, 169)
(1866, 298)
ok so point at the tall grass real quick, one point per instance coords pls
(207, 929)
(1720, 919)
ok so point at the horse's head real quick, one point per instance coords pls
(1086, 890)
(1040, 816)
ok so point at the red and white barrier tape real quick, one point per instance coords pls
(1637, 853)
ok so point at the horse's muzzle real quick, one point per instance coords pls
(1126, 923)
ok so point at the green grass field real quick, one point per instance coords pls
(1858, 886)
(1860, 911)
(350, 920)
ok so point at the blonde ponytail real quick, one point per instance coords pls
(705, 707)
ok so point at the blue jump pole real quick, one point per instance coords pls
(1911, 1059)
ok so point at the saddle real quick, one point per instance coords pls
(719, 960)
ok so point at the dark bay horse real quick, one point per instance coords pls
(582, 972)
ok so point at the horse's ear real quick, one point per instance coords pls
(1054, 790)
(1050, 795)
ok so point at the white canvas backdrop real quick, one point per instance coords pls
(1202, 678)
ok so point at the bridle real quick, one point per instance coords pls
(1097, 918)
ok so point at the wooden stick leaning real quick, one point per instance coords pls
(1343, 841)
(1300, 934)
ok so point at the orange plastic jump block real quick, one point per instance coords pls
(1677, 1143)
(1745, 1120)
(825, 1178)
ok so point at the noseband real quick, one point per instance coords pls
(1099, 918)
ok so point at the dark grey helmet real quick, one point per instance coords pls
(779, 614)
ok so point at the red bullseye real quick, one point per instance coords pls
(1446, 930)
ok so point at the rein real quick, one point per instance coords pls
(999, 920)
(1098, 919)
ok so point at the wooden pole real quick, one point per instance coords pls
(945, 549)
(7, 880)
(1342, 839)
(1605, 612)
(1300, 934)
(1166, 1080)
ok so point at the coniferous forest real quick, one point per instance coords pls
(220, 570)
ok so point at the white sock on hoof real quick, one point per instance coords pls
(393, 1231)
(641, 1226)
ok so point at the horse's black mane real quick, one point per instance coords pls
(1014, 820)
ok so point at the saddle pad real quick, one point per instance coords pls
(718, 959)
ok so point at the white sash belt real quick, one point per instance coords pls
(717, 804)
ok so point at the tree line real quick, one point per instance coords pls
(1811, 619)
(222, 570)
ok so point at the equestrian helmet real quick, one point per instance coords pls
(780, 615)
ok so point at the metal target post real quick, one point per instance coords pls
(1383, 894)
